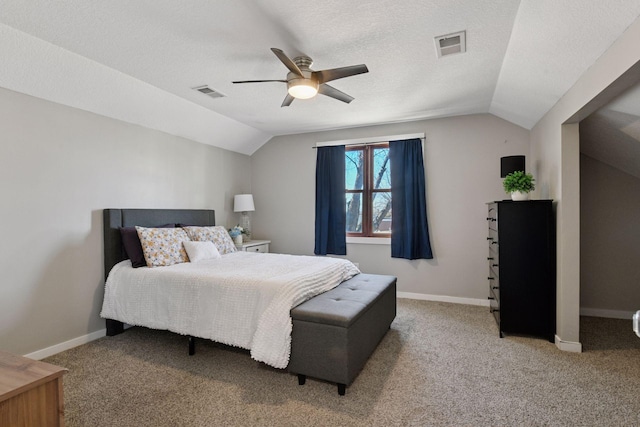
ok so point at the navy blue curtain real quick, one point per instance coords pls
(331, 217)
(409, 230)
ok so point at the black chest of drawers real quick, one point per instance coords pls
(522, 267)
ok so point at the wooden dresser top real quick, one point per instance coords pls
(18, 374)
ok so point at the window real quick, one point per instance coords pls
(368, 191)
(354, 197)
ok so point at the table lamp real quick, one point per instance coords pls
(244, 203)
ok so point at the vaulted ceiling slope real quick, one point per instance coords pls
(139, 61)
(612, 134)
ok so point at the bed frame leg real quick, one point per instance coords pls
(342, 389)
(114, 327)
(301, 379)
(192, 345)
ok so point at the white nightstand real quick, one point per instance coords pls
(255, 246)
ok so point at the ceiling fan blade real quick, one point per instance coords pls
(335, 93)
(259, 81)
(287, 101)
(324, 76)
(287, 62)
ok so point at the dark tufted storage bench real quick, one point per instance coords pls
(334, 333)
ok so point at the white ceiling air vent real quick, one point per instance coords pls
(209, 92)
(451, 43)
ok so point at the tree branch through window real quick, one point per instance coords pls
(368, 191)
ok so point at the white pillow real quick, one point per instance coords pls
(198, 251)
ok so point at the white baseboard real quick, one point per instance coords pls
(55, 349)
(570, 346)
(444, 298)
(611, 314)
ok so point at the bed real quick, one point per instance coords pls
(114, 219)
(248, 305)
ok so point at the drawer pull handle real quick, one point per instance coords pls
(494, 265)
(489, 238)
(490, 298)
(495, 310)
(489, 278)
(494, 243)
(495, 287)
(490, 258)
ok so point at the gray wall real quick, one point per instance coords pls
(462, 172)
(555, 152)
(610, 237)
(58, 168)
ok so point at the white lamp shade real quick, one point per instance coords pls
(243, 203)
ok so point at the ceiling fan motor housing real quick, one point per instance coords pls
(302, 87)
(303, 62)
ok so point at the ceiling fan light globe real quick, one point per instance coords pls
(302, 89)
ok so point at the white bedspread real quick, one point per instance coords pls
(242, 299)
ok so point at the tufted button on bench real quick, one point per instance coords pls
(334, 333)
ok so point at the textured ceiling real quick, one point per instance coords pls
(138, 61)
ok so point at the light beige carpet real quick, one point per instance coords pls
(439, 365)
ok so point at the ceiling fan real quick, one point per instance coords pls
(304, 83)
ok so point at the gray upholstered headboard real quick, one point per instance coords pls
(116, 218)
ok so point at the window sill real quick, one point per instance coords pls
(369, 240)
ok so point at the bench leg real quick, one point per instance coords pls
(192, 346)
(342, 388)
(301, 379)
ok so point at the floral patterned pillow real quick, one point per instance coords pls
(163, 246)
(218, 235)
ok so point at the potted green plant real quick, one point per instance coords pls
(519, 184)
